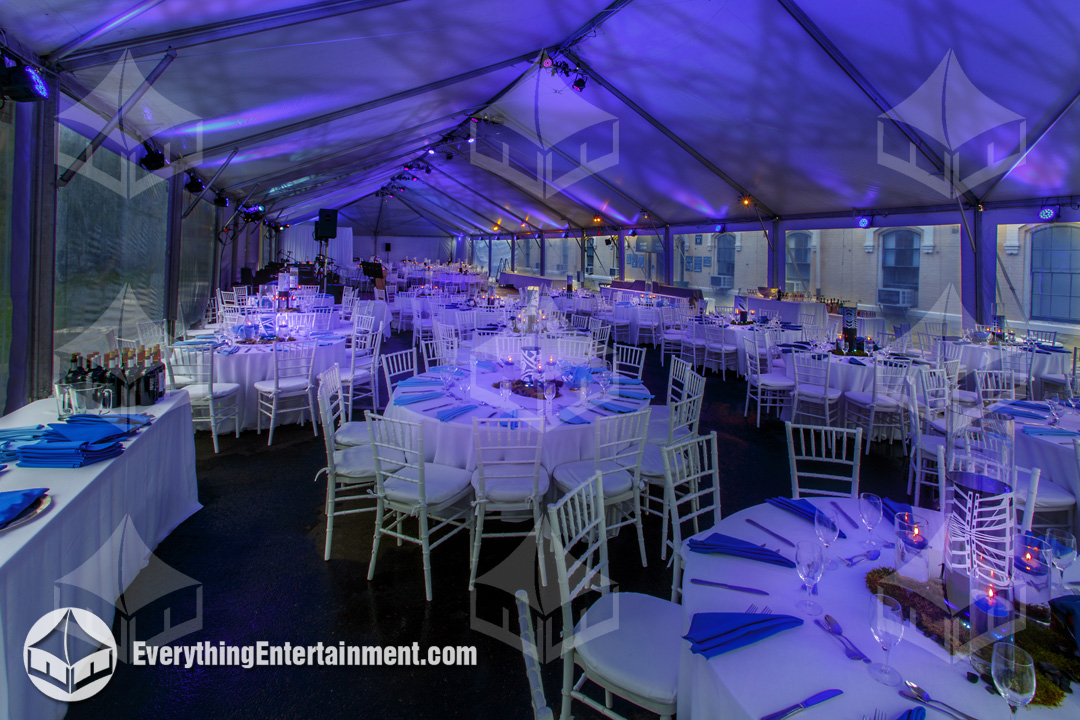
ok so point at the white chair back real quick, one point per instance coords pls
(824, 460)
(398, 366)
(692, 492)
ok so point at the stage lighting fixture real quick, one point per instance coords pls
(154, 159)
(194, 184)
(547, 62)
(431, 151)
(22, 83)
(633, 233)
(1049, 213)
(597, 218)
(747, 201)
(863, 221)
(471, 140)
(579, 84)
(719, 228)
(449, 156)
(221, 200)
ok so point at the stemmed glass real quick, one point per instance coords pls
(1013, 672)
(504, 392)
(827, 529)
(870, 514)
(549, 394)
(810, 563)
(887, 626)
(1063, 550)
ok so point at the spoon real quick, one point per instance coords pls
(912, 696)
(925, 697)
(834, 627)
(872, 554)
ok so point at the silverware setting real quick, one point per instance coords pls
(872, 554)
(808, 702)
(833, 627)
(924, 697)
(779, 537)
(847, 517)
(725, 586)
(753, 610)
(851, 654)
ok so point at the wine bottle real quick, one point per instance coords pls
(72, 375)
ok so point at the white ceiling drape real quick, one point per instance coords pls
(300, 241)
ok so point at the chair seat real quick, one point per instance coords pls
(360, 375)
(352, 434)
(220, 390)
(516, 487)
(1050, 496)
(641, 653)
(865, 399)
(652, 459)
(658, 432)
(444, 484)
(967, 397)
(774, 381)
(569, 476)
(721, 348)
(285, 385)
(1054, 378)
(817, 392)
(356, 462)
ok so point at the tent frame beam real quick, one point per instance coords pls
(464, 205)
(429, 220)
(526, 194)
(484, 197)
(88, 37)
(421, 200)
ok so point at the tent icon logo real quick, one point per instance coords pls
(547, 136)
(963, 133)
(69, 654)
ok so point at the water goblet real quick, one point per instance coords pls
(887, 626)
(870, 514)
(827, 529)
(504, 391)
(810, 563)
(1013, 671)
(1062, 549)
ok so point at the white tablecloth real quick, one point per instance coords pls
(1054, 454)
(152, 484)
(253, 363)
(787, 310)
(451, 442)
(758, 679)
(985, 357)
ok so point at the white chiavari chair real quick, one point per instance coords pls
(292, 381)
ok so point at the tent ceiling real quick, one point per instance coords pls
(688, 105)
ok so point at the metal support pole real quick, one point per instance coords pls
(43, 244)
(173, 260)
(622, 254)
(669, 256)
(114, 122)
(86, 38)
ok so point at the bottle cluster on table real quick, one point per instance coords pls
(135, 375)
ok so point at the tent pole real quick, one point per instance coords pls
(86, 38)
(483, 197)
(173, 258)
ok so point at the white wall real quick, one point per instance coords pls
(432, 248)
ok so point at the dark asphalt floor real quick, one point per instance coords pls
(256, 547)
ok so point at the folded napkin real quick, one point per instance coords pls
(65, 454)
(135, 419)
(451, 413)
(856, 361)
(568, 416)
(418, 397)
(915, 713)
(620, 380)
(440, 368)
(1028, 405)
(510, 414)
(420, 382)
(634, 394)
(713, 634)
(1053, 348)
(30, 432)
(91, 432)
(13, 502)
(1017, 413)
(615, 407)
(721, 544)
(800, 507)
(1067, 609)
(1051, 431)
(208, 340)
(485, 366)
(229, 350)
(889, 508)
(791, 327)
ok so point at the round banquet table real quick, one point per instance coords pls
(451, 442)
(1053, 453)
(758, 679)
(980, 356)
(252, 363)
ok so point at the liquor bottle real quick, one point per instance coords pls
(72, 375)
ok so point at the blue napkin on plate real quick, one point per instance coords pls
(229, 350)
(451, 413)
(915, 713)
(801, 507)
(620, 380)
(485, 366)
(510, 414)
(713, 634)
(568, 416)
(721, 544)
(420, 382)
(1067, 609)
(13, 502)
(1052, 431)
(634, 394)
(856, 361)
(1028, 405)
(418, 397)
(1017, 413)
(889, 508)
(615, 407)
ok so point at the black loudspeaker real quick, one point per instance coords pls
(326, 227)
(387, 247)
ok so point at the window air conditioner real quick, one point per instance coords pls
(723, 282)
(896, 297)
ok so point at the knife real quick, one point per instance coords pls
(846, 516)
(781, 538)
(808, 702)
(710, 583)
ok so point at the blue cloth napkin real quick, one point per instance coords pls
(485, 366)
(615, 407)
(1028, 405)
(1067, 609)
(856, 361)
(568, 416)
(791, 327)
(801, 508)
(620, 380)
(13, 502)
(1017, 413)
(61, 454)
(209, 340)
(90, 432)
(440, 368)
(713, 634)
(229, 350)
(451, 413)
(30, 432)
(510, 414)
(134, 419)
(1052, 431)
(721, 544)
(889, 508)
(634, 394)
(418, 397)
(420, 382)
(915, 713)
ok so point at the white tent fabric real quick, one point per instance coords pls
(299, 240)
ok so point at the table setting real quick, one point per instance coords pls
(772, 629)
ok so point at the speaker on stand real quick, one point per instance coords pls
(325, 229)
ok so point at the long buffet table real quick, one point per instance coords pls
(82, 552)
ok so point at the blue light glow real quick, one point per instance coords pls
(863, 222)
(38, 82)
(1048, 213)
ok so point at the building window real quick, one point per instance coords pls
(1055, 273)
(900, 262)
(797, 271)
(723, 277)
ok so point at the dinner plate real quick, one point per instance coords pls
(40, 507)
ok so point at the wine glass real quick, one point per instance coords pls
(870, 514)
(504, 391)
(1063, 550)
(887, 626)
(810, 563)
(549, 393)
(827, 529)
(1013, 672)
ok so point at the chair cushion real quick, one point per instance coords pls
(866, 399)
(286, 385)
(360, 376)
(352, 434)
(356, 462)
(817, 392)
(443, 484)
(570, 475)
(1050, 496)
(967, 397)
(641, 651)
(220, 390)
(776, 381)
(515, 488)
